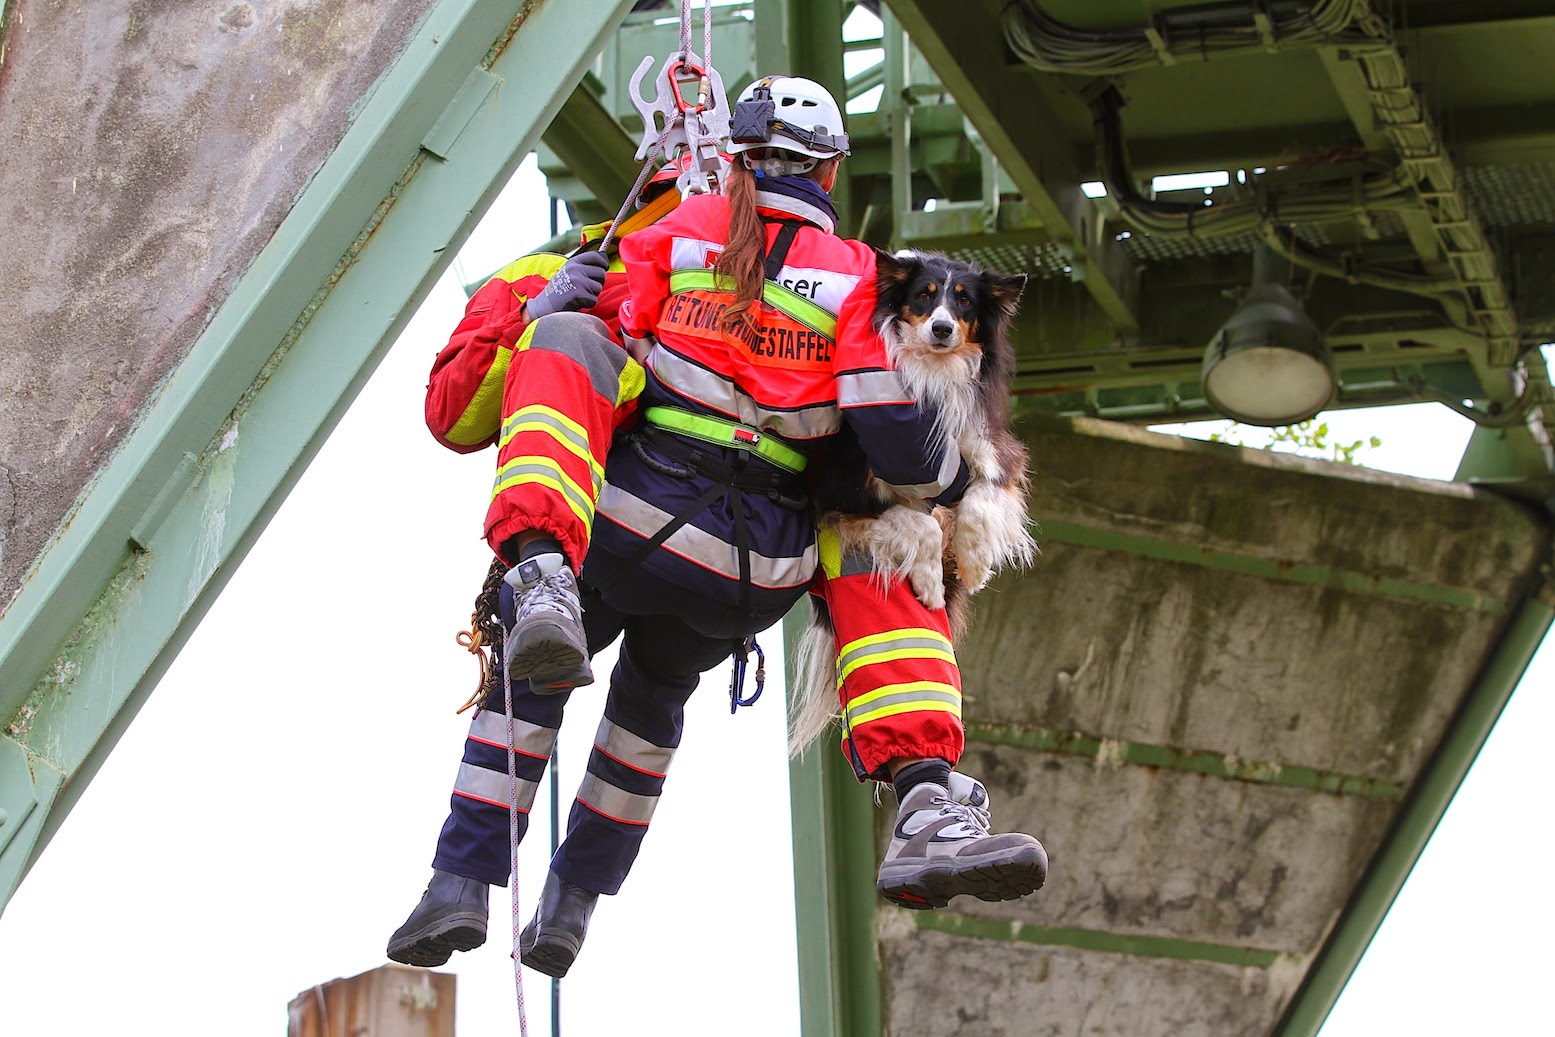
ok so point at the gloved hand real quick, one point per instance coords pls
(576, 286)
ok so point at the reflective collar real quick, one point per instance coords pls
(797, 196)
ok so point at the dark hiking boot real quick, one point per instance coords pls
(552, 939)
(546, 646)
(451, 917)
(941, 848)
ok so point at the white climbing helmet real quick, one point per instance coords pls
(786, 114)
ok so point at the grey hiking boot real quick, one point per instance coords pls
(941, 848)
(552, 939)
(546, 646)
(451, 917)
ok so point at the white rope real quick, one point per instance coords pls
(518, 971)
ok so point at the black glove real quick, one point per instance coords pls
(576, 286)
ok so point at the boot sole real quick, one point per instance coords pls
(547, 657)
(436, 943)
(552, 953)
(921, 883)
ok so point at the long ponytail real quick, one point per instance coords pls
(744, 248)
(743, 259)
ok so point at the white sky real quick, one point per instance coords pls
(270, 817)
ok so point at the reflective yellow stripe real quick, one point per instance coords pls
(545, 264)
(896, 689)
(724, 433)
(828, 547)
(806, 312)
(520, 471)
(570, 435)
(483, 414)
(928, 706)
(899, 653)
(632, 382)
(896, 635)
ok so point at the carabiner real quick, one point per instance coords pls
(742, 650)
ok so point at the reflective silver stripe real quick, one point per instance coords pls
(491, 727)
(703, 547)
(721, 394)
(584, 339)
(637, 753)
(616, 803)
(870, 389)
(492, 787)
(902, 698)
(554, 426)
(859, 654)
(511, 473)
(949, 468)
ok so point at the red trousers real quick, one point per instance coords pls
(898, 679)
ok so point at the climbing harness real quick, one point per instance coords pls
(692, 122)
(742, 650)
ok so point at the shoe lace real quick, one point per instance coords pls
(553, 592)
(975, 818)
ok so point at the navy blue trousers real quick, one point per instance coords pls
(669, 638)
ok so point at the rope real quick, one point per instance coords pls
(642, 178)
(657, 150)
(518, 970)
(485, 630)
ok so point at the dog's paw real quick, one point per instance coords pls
(989, 534)
(908, 543)
(974, 560)
(928, 583)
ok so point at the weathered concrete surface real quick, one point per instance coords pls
(151, 150)
(1145, 651)
(1016, 990)
(1253, 624)
(1140, 851)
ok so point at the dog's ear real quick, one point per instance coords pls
(1004, 289)
(893, 269)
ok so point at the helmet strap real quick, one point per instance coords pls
(779, 163)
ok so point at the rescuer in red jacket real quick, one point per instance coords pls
(705, 535)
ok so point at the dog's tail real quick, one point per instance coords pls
(812, 697)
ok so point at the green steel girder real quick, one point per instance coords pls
(1028, 140)
(167, 521)
(1481, 137)
(1429, 798)
(834, 885)
(591, 147)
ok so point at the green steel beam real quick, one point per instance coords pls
(1009, 930)
(169, 518)
(595, 149)
(1170, 758)
(1275, 570)
(834, 886)
(1433, 791)
(1027, 139)
(833, 816)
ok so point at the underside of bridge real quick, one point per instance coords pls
(1237, 691)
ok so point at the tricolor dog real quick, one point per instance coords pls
(945, 326)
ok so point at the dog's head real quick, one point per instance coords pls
(943, 306)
